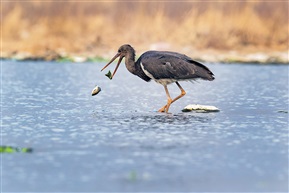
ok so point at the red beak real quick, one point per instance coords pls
(119, 61)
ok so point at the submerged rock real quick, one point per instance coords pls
(282, 111)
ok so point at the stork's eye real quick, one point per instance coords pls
(119, 51)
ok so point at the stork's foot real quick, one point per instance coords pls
(163, 109)
(166, 107)
(170, 101)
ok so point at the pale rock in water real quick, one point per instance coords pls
(200, 108)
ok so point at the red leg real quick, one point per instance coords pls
(167, 106)
(170, 101)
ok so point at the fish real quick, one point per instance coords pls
(95, 90)
(109, 75)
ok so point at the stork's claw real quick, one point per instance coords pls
(162, 110)
(165, 108)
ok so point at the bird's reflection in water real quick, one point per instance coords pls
(171, 119)
(145, 120)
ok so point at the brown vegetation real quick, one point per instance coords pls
(94, 28)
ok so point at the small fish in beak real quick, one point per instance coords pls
(109, 75)
(118, 63)
(95, 90)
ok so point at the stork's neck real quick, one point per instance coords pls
(130, 61)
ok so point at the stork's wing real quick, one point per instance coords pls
(172, 65)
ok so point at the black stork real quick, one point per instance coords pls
(163, 67)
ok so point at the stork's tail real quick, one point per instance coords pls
(203, 71)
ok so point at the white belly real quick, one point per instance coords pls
(163, 82)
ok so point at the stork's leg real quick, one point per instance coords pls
(167, 106)
(183, 92)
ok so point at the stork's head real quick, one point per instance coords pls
(122, 52)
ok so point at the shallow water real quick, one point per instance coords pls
(117, 141)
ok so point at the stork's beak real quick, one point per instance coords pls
(119, 61)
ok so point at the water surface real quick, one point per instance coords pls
(117, 141)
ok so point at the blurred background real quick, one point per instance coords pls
(51, 29)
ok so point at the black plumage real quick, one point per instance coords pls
(172, 65)
(164, 67)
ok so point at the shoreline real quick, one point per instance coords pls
(211, 56)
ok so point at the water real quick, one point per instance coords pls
(117, 141)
